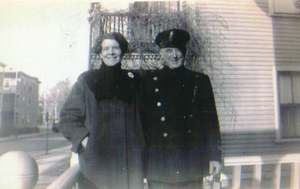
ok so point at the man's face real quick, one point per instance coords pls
(111, 52)
(173, 57)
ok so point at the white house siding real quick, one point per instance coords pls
(246, 85)
(254, 46)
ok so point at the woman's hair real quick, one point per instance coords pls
(114, 35)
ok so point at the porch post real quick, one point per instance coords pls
(277, 175)
(256, 176)
(236, 177)
(295, 175)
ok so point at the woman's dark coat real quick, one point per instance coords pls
(181, 125)
(103, 106)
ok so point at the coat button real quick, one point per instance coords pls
(193, 100)
(162, 118)
(130, 74)
(165, 134)
(184, 117)
(196, 86)
(155, 78)
(156, 90)
(197, 75)
(189, 131)
(191, 115)
(159, 104)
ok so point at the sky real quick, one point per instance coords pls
(47, 39)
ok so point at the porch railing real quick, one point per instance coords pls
(136, 28)
(68, 179)
(145, 23)
(256, 162)
(134, 61)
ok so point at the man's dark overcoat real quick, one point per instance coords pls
(180, 123)
(103, 106)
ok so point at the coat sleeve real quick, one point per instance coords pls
(212, 129)
(73, 115)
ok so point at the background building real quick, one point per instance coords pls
(19, 106)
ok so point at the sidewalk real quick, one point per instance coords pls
(50, 165)
(43, 131)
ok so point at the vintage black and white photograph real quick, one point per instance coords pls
(150, 94)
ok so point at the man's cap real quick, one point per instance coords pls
(172, 38)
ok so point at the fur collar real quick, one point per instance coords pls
(110, 82)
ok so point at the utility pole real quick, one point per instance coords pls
(2, 65)
(47, 138)
(55, 107)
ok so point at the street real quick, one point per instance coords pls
(33, 144)
(50, 165)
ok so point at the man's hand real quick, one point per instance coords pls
(214, 167)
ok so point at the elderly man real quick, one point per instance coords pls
(180, 120)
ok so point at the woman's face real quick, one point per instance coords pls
(111, 52)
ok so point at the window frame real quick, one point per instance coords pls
(272, 10)
(6, 80)
(276, 69)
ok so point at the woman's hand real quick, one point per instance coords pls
(84, 142)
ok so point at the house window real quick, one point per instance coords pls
(141, 6)
(156, 6)
(284, 8)
(289, 100)
(6, 83)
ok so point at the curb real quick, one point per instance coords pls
(24, 136)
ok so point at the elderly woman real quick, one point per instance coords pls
(101, 119)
